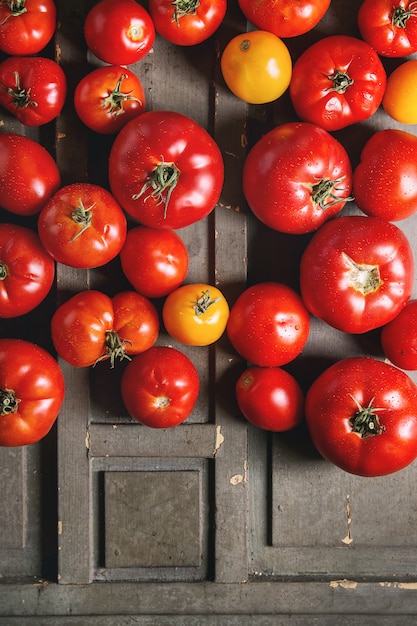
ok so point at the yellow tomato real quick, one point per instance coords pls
(256, 66)
(400, 98)
(195, 314)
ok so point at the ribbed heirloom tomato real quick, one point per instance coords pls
(26, 26)
(399, 338)
(187, 22)
(389, 26)
(285, 18)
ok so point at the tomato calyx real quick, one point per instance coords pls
(400, 16)
(8, 402)
(4, 271)
(17, 7)
(20, 95)
(162, 402)
(115, 349)
(341, 81)
(363, 277)
(203, 303)
(82, 216)
(114, 101)
(164, 178)
(365, 421)
(184, 7)
(322, 193)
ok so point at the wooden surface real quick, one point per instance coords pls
(214, 522)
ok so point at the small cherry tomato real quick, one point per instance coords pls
(399, 338)
(400, 97)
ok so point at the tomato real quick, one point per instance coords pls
(82, 226)
(385, 180)
(195, 314)
(256, 66)
(160, 387)
(337, 81)
(26, 26)
(270, 398)
(296, 177)
(400, 98)
(362, 416)
(28, 174)
(399, 338)
(33, 89)
(92, 327)
(356, 273)
(389, 26)
(26, 271)
(165, 170)
(108, 97)
(284, 18)
(187, 22)
(119, 33)
(154, 261)
(268, 324)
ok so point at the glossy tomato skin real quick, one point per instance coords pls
(190, 24)
(268, 324)
(119, 33)
(26, 31)
(160, 387)
(159, 146)
(400, 97)
(32, 169)
(31, 382)
(336, 397)
(82, 226)
(289, 192)
(285, 18)
(108, 97)
(337, 81)
(270, 398)
(154, 261)
(389, 26)
(33, 89)
(26, 271)
(399, 338)
(357, 273)
(385, 180)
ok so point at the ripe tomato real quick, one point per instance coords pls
(108, 97)
(389, 26)
(26, 26)
(154, 261)
(165, 170)
(362, 416)
(195, 314)
(32, 169)
(187, 22)
(32, 390)
(119, 33)
(26, 271)
(284, 18)
(33, 89)
(288, 191)
(385, 180)
(337, 81)
(256, 66)
(270, 398)
(356, 273)
(268, 324)
(400, 98)
(92, 327)
(160, 387)
(82, 226)
(399, 338)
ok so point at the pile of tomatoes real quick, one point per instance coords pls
(166, 172)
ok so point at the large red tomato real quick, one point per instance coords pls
(296, 177)
(357, 273)
(32, 390)
(26, 26)
(284, 18)
(166, 170)
(399, 338)
(188, 22)
(362, 416)
(389, 26)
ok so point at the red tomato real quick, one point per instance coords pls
(268, 324)
(82, 226)
(32, 169)
(26, 26)
(389, 26)
(337, 81)
(362, 416)
(33, 89)
(108, 97)
(399, 338)
(92, 327)
(289, 192)
(165, 170)
(160, 387)
(32, 390)
(284, 18)
(26, 271)
(154, 261)
(270, 398)
(356, 273)
(119, 33)
(385, 181)
(187, 22)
